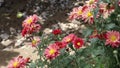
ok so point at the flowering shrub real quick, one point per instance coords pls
(97, 46)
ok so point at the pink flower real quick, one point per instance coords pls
(87, 16)
(35, 41)
(92, 3)
(78, 42)
(18, 62)
(76, 13)
(69, 38)
(52, 51)
(57, 31)
(30, 20)
(105, 9)
(113, 38)
(30, 26)
(61, 44)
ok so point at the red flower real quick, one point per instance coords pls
(30, 29)
(113, 38)
(56, 31)
(61, 44)
(78, 42)
(18, 62)
(52, 51)
(69, 38)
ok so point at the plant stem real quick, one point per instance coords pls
(116, 57)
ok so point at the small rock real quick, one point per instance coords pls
(12, 30)
(4, 36)
(6, 42)
(19, 42)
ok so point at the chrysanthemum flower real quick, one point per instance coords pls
(18, 62)
(87, 16)
(30, 20)
(92, 3)
(69, 38)
(105, 9)
(113, 38)
(78, 42)
(30, 26)
(57, 31)
(76, 13)
(52, 51)
(61, 44)
(31, 29)
(35, 41)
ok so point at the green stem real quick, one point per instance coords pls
(77, 64)
(116, 57)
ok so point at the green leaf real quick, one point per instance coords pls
(87, 32)
(110, 26)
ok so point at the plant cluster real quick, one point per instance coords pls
(97, 46)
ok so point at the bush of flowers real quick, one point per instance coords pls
(97, 46)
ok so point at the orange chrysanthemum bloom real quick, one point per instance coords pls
(113, 38)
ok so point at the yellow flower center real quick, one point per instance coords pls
(78, 43)
(79, 12)
(89, 14)
(68, 40)
(113, 38)
(29, 21)
(91, 1)
(15, 64)
(52, 51)
(34, 41)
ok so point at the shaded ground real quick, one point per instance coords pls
(10, 25)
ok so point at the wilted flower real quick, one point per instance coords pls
(113, 38)
(69, 38)
(35, 41)
(18, 62)
(52, 51)
(57, 31)
(78, 42)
